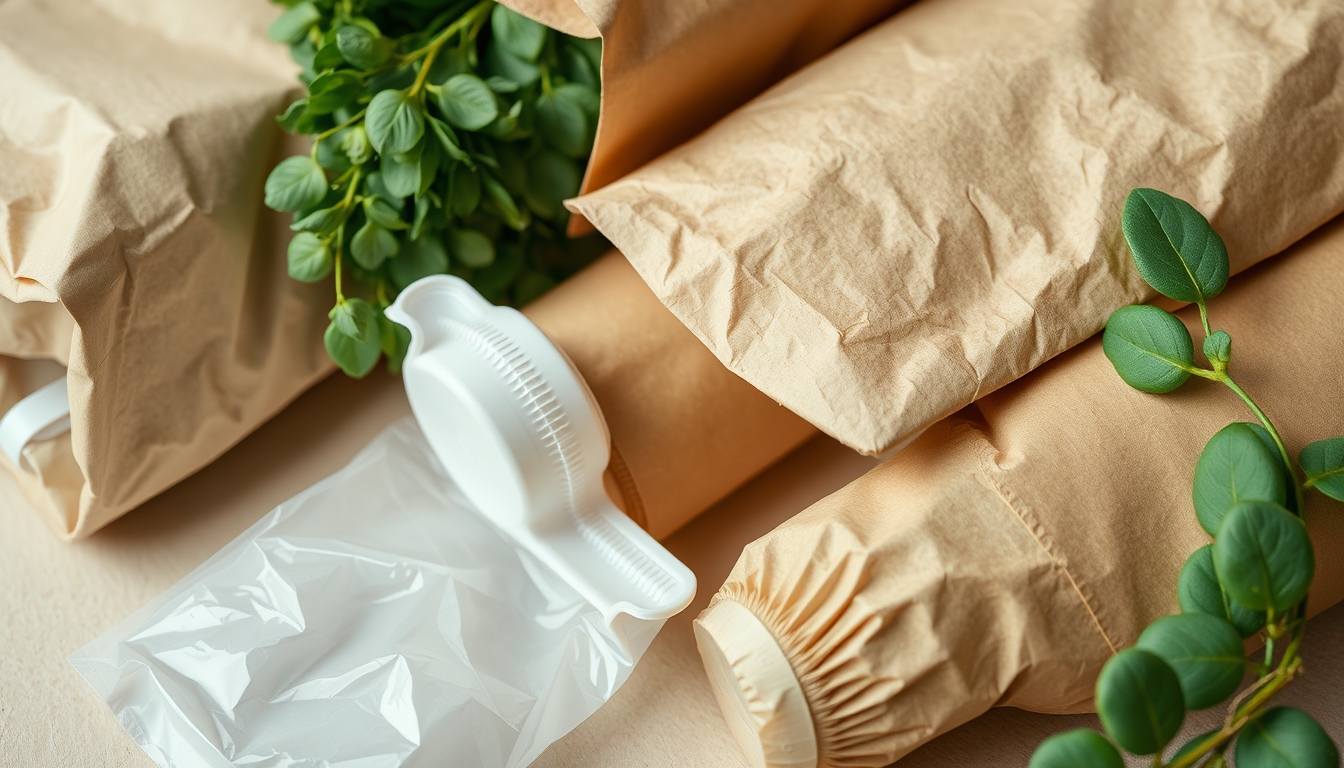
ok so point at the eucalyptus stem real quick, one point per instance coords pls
(431, 49)
(1273, 433)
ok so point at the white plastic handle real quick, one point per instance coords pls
(514, 424)
(40, 416)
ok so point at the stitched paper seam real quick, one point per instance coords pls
(1006, 497)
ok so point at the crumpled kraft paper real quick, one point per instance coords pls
(135, 137)
(932, 210)
(1006, 554)
(670, 69)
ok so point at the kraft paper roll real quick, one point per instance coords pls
(932, 210)
(686, 430)
(1005, 555)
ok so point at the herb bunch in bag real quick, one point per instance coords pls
(1254, 576)
(444, 137)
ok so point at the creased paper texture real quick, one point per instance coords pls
(932, 210)
(1006, 554)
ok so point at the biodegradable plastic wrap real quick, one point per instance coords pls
(375, 619)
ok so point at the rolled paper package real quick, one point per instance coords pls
(1007, 553)
(932, 210)
(684, 430)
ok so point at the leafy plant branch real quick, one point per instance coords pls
(1254, 577)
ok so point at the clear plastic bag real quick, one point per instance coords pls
(373, 620)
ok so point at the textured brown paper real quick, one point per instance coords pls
(932, 210)
(1007, 553)
(685, 430)
(134, 140)
(670, 69)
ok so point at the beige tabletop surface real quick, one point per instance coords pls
(56, 597)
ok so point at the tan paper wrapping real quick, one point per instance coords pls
(1007, 553)
(134, 140)
(685, 431)
(932, 210)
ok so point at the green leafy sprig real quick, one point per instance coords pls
(445, 136)
(1255, 575)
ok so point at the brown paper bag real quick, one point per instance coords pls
(133, 145)
(1006, 554)
(932, 210)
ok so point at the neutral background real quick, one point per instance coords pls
(56, 597)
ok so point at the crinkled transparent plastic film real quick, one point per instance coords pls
(373, 620)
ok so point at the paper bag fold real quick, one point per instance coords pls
(932, 210)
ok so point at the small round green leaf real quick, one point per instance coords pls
(1198, 591)
(293, 24)
(296, 118)
(1235, 466)
(1175, 249)
(309, 258)
(551, 179)
(355, 318)
(418, 258)
(467, 102)
(1204, 651)
(518, 34)
(1080, 748)
(1323, 461)
(328, 57)
(470, 247)
(1150, 348)
(500, 63)
(1139, 701)
(394, 340)
(585, 97)
(1263, 556)
(332, 91)
(464, 191)
(323, 221)
(355, 144)
(380, 212)
(449, 62)
(400, 179)
(354, 356)
(1284, 737)
(1218, 347)
(295, 184)
(361, 47)
(563, 124)
(394, 122)
(372, 245)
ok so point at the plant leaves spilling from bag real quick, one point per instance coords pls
(444, 134)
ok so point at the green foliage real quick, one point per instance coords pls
(1323, 461)
(1263, 556)
(1175, 249)
(1150, 348)
(1198, 591)
(1204, 651)
(1235, 466)
(1284, 737)
(1139, 701)
(444, 134)
(1255, 575)
(1081, 748)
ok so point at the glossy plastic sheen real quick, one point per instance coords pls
(375, 620)
(520, 433)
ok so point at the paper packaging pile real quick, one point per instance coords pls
(912, 222)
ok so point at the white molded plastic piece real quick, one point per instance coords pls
(518, 430)
(42, 415)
